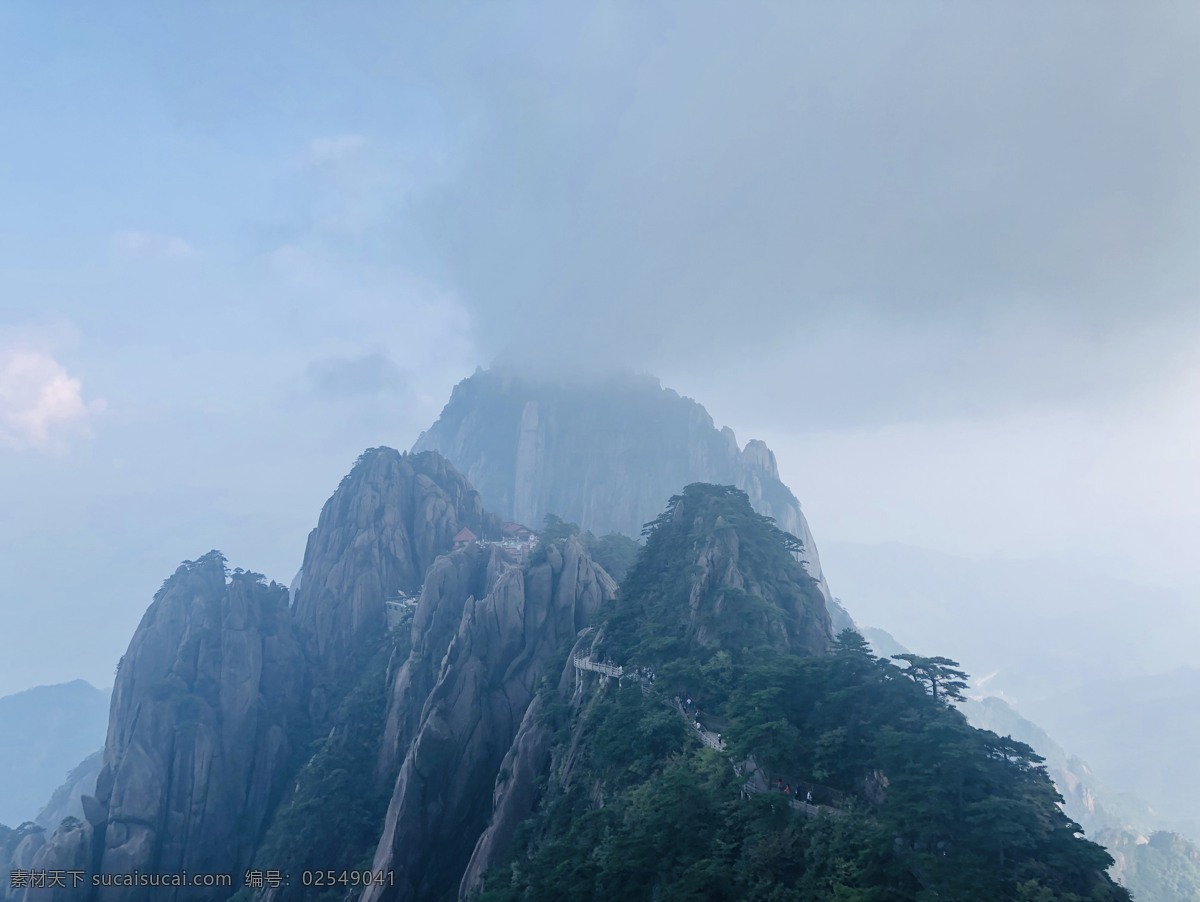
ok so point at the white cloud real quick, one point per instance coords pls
(41, 405)
(152, 245)
(332, 148)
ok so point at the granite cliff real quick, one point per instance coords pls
(224, 681)
(504, 642)
(197, 747)
(377, 535)
(605, 453)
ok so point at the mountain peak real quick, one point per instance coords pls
(534, 446)
(724, 573)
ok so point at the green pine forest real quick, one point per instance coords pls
(918, 805)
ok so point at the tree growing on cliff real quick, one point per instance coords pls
(945, 681)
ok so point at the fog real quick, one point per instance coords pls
(940, 256)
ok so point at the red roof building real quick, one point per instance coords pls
(517, 531)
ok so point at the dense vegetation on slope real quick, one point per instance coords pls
(924, 807)
(614, 552)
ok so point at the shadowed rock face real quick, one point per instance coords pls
(197, 741)
(534, 448)
(378, 534)
(452, 582)
(504, 642)
(517, 786)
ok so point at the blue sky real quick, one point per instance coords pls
(240, 244)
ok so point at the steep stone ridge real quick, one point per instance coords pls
(516, 790)
(378, 534)
(504, 642)
(534, 448)
(197, 742)
(453, 582)
(740, 586)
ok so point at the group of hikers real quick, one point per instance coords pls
(793, 791)
(691, 710)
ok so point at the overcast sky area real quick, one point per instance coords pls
(942, 257)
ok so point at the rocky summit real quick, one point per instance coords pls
(198, 741)
(377, 536)
(603, 452)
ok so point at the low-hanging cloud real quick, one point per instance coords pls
(41, 405)
(650, 185)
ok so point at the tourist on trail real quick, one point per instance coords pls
(808, 797)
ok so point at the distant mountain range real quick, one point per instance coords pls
(46, 732)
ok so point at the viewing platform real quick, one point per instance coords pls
(398, 606)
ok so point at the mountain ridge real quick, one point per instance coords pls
(533, 446)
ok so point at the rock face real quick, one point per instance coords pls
(516, 790)
(197, 742)
(534, 448)
(377, 535)
(452, 582)
(486, 680)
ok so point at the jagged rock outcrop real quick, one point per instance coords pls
(377, 535)
(71, 848)
(198, 737)
(451, 583)
(517, 786)
(505, 640)
(534, 448)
